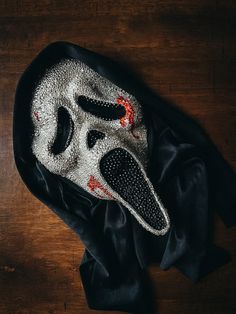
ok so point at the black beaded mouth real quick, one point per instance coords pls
(65, 130)
(124, 175)
(105, 110)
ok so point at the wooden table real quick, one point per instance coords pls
(186, 51)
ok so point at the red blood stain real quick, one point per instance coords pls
(129, 113)
(95, 184)
(36, 114)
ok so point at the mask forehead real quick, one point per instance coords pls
(72, 78)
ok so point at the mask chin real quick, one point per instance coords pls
(127, 178)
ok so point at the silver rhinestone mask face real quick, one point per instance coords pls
(91, 132)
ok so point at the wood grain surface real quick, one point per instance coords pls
(186, 51)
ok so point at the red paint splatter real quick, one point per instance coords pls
(36, 114)
(129, 113)
(95, 184)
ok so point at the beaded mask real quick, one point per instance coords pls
(91, 132)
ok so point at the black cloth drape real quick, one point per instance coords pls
(191, 176)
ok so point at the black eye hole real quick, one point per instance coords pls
(65, 129)
(101, 109)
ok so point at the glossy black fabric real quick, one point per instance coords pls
(191, 177)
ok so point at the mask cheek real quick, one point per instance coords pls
(59, 164)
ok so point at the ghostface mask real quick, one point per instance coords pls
(104, 152)
(92, 132)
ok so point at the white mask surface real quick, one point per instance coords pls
(91, 132)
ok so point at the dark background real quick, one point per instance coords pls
(186, 51)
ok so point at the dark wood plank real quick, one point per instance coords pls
(186, 51)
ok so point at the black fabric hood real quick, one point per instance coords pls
(191, 177)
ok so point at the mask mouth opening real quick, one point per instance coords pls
(65, 131)
(127, 178)
(101, 109)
